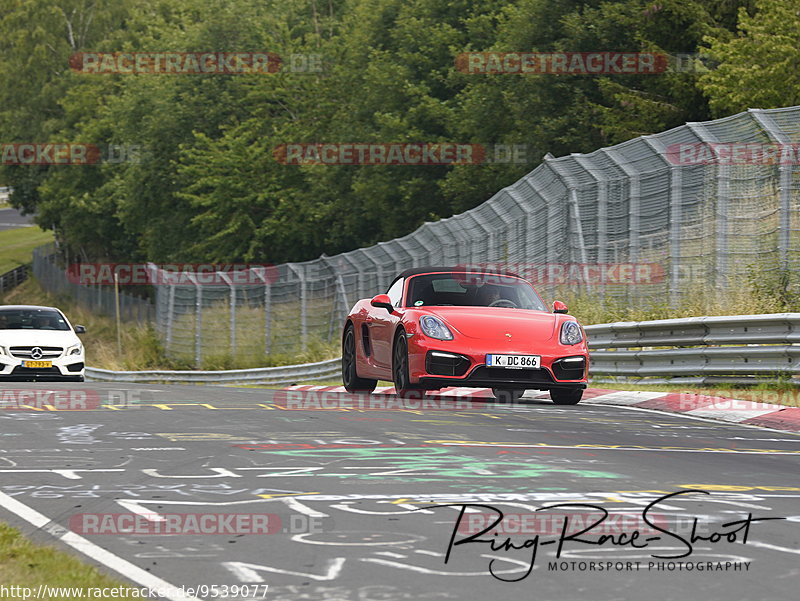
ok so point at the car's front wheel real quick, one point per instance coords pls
(350, 379)
(566, 396)
(508, 395)
(402, 383)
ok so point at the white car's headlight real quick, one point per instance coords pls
(433, 327)
(571, 333)
(3, 351)
(75, 350)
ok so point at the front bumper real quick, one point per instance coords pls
(65, 369)
(435, 365)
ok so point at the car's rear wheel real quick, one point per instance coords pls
(350, 379)
(402, 383)
(508, 395)
(566, 396)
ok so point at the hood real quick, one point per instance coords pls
(63, 338)
(492, 323)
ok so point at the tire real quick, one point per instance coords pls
(350, 379)
(508, 395)
(402, 384)
(566, 396)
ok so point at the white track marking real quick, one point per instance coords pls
(249, 572)
(68, 474)
(773, 547)
(627, 397)
(734, 415)
(88, 548)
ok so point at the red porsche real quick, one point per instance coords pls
(438, 327)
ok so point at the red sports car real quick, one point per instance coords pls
(438, 327)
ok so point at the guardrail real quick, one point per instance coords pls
(693, 349)
(285, 374)
(698, 349)
(12, 279)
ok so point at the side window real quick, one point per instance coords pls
(395, 292)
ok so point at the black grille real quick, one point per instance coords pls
(456, 365)
(502, 374)
(569, 370)
(75, 367)
(48, 352)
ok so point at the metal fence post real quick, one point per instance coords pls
(784, 184)
(232, 311)
(198, 322)
(262, 274)
(300, 273)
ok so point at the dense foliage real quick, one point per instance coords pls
(207, 186)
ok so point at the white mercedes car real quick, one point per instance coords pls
(39, 344)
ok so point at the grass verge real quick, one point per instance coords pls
(16, 246)
(22, 563)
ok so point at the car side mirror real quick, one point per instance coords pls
(559, 307)
(80, 329)
(382, 300)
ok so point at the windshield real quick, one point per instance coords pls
(32, 319)
(472, 290)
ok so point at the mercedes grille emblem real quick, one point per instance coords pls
(36, 353)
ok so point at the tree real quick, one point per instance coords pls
(759, 65)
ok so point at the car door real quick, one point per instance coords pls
(382, 325)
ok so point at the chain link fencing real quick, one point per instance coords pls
(51, 273)
(698, 202)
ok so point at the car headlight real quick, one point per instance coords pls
(433, 327)
(571, 333)
(75, 350)
(3, 351)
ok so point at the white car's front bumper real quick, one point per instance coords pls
(65, 368)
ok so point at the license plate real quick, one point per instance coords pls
(37, 364)
(514, 361)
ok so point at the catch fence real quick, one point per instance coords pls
(702, 205)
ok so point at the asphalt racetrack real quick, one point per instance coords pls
(363, 504)
(11, 219)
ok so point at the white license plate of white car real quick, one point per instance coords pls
(514, 361)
